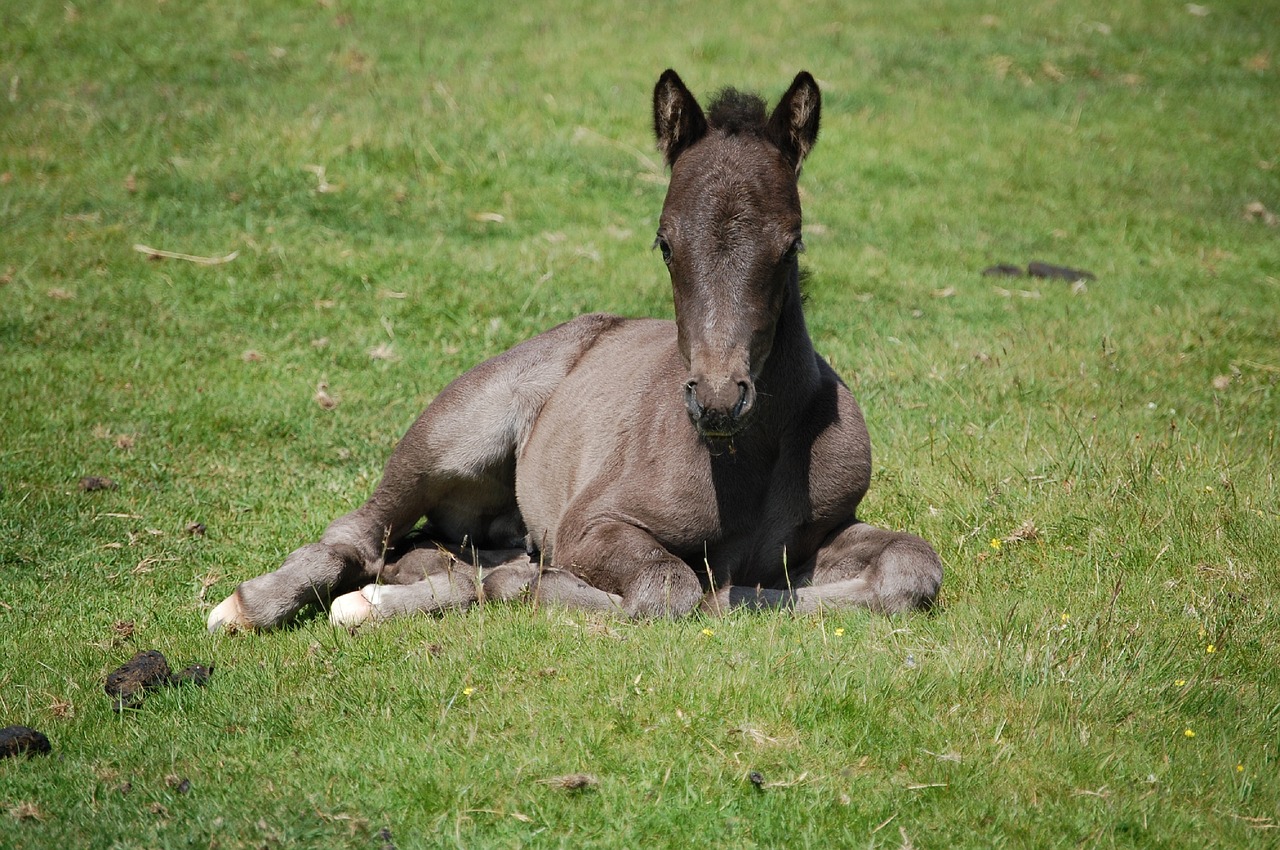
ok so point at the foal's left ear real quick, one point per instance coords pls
(793, 127)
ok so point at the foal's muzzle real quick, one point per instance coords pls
(721, 409)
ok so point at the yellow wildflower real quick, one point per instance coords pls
(995, 543)
(708, 632)
(1239, 768)
(468, 691)
(1180, 682)
(1210, 649)
(1065, 616)
(1189, 733)
(839, 632)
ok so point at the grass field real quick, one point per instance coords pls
(409, 188)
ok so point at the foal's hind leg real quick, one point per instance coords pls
(467, 493)
(859, 566)
(456, 465)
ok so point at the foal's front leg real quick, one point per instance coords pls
(858, 566)
(865, 566)
(628, 562)
(424, 581)
(432, 579)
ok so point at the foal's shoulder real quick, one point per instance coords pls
(840, 448)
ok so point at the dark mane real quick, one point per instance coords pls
(734, 112)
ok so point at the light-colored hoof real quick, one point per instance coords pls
(229, 613)
(352, 609)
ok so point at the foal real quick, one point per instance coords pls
(641, 466)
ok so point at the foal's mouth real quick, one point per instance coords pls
(717, 428)
(718, 433)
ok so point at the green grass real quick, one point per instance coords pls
(1133, 422)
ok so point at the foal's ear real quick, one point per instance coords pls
(678, 121)
(793, 127)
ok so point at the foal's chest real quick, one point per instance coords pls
(752, 522)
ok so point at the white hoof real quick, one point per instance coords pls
(230, 613)
(352, 609)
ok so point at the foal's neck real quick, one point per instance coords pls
(790, 375)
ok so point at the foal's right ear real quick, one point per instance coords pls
(678, 121)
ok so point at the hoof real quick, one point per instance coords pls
(352, 609)
(229, 613)
(716, 604)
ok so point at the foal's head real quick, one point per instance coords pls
(729, 234)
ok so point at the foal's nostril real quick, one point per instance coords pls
(691, 399)
(741, 406)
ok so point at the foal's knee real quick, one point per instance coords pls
(662, 590)
(908, 575)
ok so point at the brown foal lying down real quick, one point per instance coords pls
(635, 465)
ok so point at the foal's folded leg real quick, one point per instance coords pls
(564, 589)
(517, 581)
(457, 588)
(859, 566)
(524, 581)
(423, 580)
(864, 566)
(628, 562)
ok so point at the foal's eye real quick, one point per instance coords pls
(797, 247)
(665, 247)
